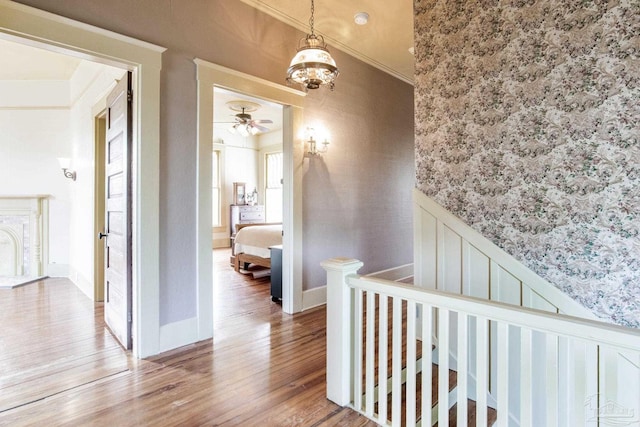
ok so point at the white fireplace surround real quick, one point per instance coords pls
(24, 222)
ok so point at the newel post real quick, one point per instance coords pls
(339, 328)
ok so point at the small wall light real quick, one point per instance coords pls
(65, 164)
(313, 143)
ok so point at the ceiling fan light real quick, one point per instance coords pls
(243, 130)
(253, 130)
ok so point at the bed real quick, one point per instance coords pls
(252, 243)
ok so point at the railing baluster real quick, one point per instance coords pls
(396, 361)
(411, 364)
(463, 371)
(482, 363)
(370, 353)
(526, 411)
(503, 374)
(357, 349)
(443, 366)
(552, 380)
(383, 359)
(427, 365)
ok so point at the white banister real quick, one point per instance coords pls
(576, 327)
(339, 323)
(535, 367)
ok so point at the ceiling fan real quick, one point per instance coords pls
(243, 123)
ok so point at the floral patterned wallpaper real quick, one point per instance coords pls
(528, 129)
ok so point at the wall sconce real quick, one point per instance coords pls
(65, 163)
(313, 144)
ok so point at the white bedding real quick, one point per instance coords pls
(257, 240)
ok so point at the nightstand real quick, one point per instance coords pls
(276, 273)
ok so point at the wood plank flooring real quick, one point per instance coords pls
(60, 366)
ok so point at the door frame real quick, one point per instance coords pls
(211, 75)
(99, 115)
(27, 25)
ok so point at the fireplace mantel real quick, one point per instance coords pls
(24, 222)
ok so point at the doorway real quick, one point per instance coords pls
(247, 155)
(210, 76)
(48, 32)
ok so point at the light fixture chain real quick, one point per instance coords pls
(311, 19)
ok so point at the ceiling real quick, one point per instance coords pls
(224, 116)
(22, 62)
(383, 42)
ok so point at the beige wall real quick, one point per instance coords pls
(357, 198)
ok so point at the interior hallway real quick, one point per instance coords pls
(60, 366)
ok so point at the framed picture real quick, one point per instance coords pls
(239, 193)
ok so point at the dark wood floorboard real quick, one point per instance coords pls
(59, 365)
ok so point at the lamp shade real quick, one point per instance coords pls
(313, 66)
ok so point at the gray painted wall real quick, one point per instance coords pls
(528, 129)
(357, 198)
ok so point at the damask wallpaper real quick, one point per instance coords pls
(528, 129)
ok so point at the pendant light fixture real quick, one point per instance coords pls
(312, 66)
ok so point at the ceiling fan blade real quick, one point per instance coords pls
(263, 121)
(260, 128)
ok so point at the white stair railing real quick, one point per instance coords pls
(534, 367)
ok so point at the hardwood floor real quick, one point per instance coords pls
(60, 366)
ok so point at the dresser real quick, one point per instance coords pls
(245, 214)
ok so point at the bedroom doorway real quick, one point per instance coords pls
(211, 76)
(248, 155)
(247, 151)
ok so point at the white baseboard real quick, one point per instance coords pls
(318, 296)
(178, 334)
(394, 274)
(57, 270)
(81, 282)
(221, 243)
(314, 297)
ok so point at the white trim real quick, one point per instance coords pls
(208, 76)
(31, 26)
(318, 296)
(555, 296)
(58, 270)
(314, 297)
(178, 334)
(394, 274)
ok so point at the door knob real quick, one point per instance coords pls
(101, 235)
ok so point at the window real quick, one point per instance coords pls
(273, 191)
(216, 191)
